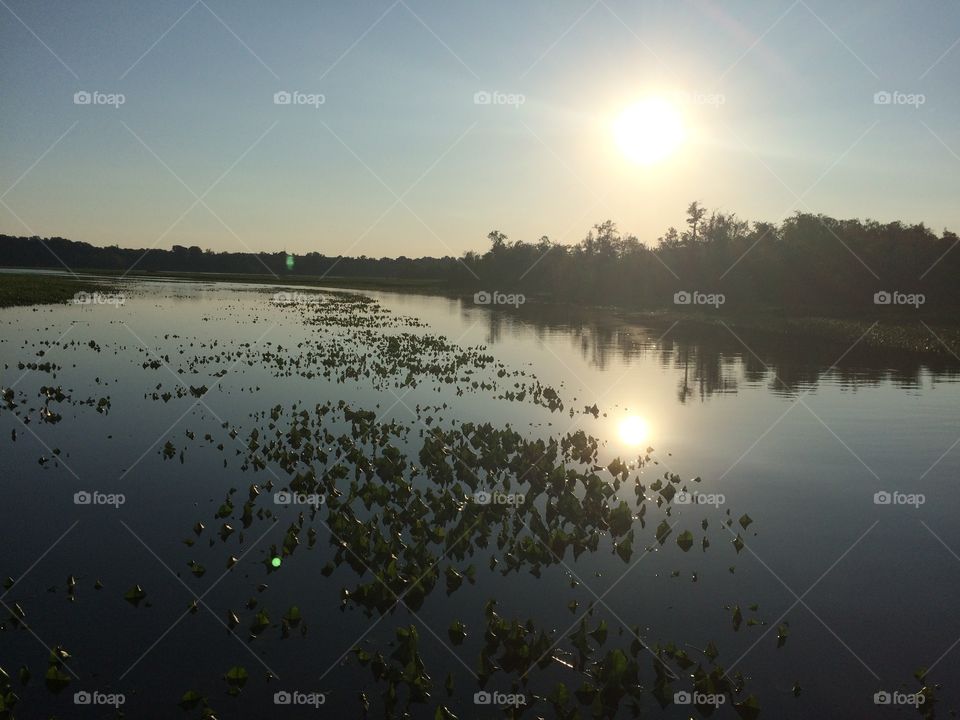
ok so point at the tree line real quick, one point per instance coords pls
(59, 253)
(807, 263)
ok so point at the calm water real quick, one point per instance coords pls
(801, 438)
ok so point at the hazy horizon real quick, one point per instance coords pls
(777, 103)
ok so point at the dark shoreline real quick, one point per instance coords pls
(900, 333)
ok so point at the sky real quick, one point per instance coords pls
(415, 127)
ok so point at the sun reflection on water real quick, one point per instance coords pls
(634, 430)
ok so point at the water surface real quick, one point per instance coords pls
(799, 436)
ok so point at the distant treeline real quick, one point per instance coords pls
(58, 253)
(807, 263)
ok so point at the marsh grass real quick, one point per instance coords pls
(32, 289)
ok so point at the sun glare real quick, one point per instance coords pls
(649, 131)
(634, 430)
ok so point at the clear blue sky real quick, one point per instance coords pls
(798, 118)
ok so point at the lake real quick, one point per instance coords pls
(331, 501)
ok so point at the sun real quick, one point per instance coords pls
(633, 430)
(649, 131)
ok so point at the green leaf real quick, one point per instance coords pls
(663, 529)
(260, 622)
(711, 651)
(237, 676)
(737, 617)
(457, 632)
(620, 519)
(56, 679)
(749, 709)
(189, 700)
(783, 631)
(625, 547)
(600, 634)
(134, 595)
(454, 579)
